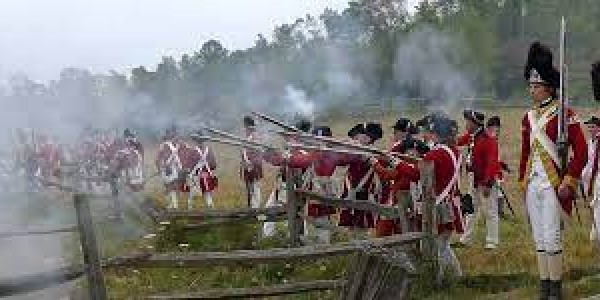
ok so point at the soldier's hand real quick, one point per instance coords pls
(564, 191)
(373, 160)
(486, 191)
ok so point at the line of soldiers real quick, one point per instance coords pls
(97, 159)
(385, 179)
(186, 167)
(548, 179)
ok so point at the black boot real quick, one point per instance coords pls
(555, 290)
(544, 289)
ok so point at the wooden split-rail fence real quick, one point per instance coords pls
(383, 268)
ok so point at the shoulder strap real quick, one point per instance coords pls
(452, 183)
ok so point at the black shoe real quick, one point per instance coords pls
(544, 289)
(555, 290)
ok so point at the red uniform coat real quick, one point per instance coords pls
(484, 157)
(49, 157)
(199, 163)
(576, 142)
(251, 168)
(444, 170)
(162, 157)
(128, 158)
(324, 165)
(358, 167)
(393, 183)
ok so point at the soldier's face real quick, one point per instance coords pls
(471, 126)
(539, 92)
(362, 139)
(493, 130)
(593, 130)
(399, 135)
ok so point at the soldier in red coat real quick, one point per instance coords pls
(298, 161)
(169, 164)
(549, 191)
(446, 165)
(199, 163)
(589, 176)
(361, 182)
(323, 168)
(49, 157)
(403, 130)
(482, 163)
(129, 162)
(251, 168)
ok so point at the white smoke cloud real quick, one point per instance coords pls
(298, 102)
(428, 64)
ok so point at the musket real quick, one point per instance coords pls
(239, 142)
(364, 152)
(276, 122)
(562, 138)
(256, 145)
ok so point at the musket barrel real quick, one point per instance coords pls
(275, 122)
(234, 143)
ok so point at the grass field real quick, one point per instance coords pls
(509, 272)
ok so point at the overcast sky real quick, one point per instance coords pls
(39, 37)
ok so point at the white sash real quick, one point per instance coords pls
(452, 183)
(135, 173)
(352, 191)
(538, 132)
(173, 162)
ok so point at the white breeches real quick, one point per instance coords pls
(319, 230)
(255, 195)
(488, 206)
(173, 199)
(595, 232)
(276, 198)
(446, 256)
(544, 215)
(208, 197)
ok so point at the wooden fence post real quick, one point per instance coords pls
(292, 206)
(403, 197)
(89, 247)
(428, 198)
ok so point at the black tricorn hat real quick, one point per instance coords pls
(249, 121)
(302, 123)
(596, 80)
(373, 130)
(592, 121)
(322, 131)
(539, 67)
(425, 122)
(404, 125)
(493, 121)
(475, 116)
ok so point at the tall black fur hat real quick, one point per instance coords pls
(249, 121)
(596, 80)
(539, 67)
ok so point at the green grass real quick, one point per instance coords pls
(510, 272)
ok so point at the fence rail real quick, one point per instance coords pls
(40, 281)
(252, 257)
(255, 292)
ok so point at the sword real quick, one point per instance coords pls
(562, 146)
